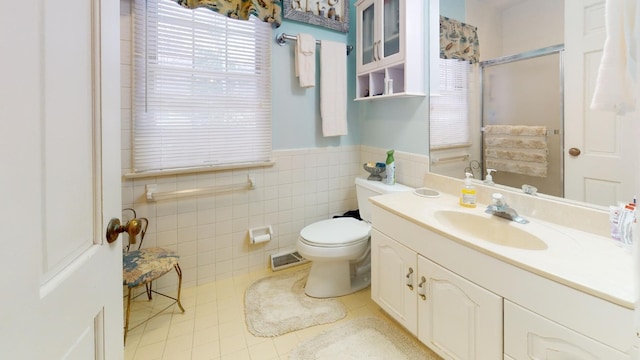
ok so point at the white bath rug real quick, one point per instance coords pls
(362, 338)
(277, 304)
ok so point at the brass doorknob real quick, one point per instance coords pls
(114, 228)
(574, 151)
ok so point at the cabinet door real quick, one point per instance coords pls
(530, 336)
(393, 273)
(366, 35)
(458, 319)
(388, 49)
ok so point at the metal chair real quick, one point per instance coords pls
(143, 266)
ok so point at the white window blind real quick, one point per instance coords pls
(449, 115)
(202, 88)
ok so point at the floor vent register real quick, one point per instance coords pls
(284, 260)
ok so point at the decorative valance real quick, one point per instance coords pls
(266, 10)
(458, 40)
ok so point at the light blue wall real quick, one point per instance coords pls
(296, 111)
(454, 9)
(401, 124)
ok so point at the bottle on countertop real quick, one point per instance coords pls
(488, 180)
(390, 168)
(468, 193)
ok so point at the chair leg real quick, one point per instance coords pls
(148, 287)
(179, 271)
(128, 312)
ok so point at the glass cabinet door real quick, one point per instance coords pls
(368, 39)
(391, 27)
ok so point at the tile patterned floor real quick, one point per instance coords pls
(213, 326)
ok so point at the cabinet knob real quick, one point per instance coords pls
(422, 289)
(410, 279)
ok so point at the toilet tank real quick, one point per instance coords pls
(367, 188)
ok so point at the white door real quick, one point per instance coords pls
(603, 172)
(61, 281)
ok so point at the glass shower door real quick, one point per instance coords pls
(515, 95)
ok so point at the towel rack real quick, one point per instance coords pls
(548, 133)
(282, 38)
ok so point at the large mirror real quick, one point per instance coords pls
(523, 109)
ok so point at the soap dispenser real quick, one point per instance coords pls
(488, 180)
(468, 192)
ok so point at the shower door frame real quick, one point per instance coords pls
(527, 55)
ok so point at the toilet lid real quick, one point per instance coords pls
(336, 232)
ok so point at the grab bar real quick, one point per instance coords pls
(450, 158)
(153, 195)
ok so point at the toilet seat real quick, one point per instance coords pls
(338, 232)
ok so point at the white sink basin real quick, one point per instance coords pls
(490, 228)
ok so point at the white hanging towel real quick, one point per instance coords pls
(333, 88)
(616, 85)
(305, 60)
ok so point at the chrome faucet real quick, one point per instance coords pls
(501, 208)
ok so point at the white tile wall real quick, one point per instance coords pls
(211, 232)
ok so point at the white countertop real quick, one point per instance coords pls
(586, 262)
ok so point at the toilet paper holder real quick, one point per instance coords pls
(260, 234)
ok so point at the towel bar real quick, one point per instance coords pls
(282, 38)
(548, 133)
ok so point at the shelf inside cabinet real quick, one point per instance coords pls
(391, 96)
(396, 74)
(384, 83)
(362, 86)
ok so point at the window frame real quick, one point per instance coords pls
(144, 101)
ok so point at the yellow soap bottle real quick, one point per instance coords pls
(468, 193)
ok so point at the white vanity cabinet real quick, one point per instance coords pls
(530, 336)
(454, 317)
(477, 306)
(389, 48)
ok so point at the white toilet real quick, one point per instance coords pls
(339, 249)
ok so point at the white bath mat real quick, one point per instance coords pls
(362, 338)
(277, 304)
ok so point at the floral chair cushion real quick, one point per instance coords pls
(145, 265)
